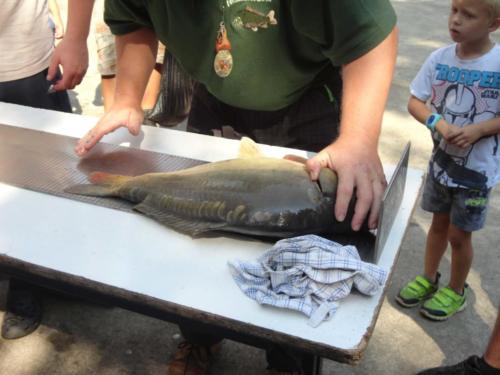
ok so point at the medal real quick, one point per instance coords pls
(223, 61)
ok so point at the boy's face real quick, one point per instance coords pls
(470, 21)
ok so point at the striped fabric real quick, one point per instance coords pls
(309, 274)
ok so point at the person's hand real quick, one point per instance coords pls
(447, 130)
(358, 169)
(125, 116)
(73, 56)
(466, 136)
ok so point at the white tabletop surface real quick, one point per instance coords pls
(132, 252)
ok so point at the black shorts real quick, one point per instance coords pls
(310, 124)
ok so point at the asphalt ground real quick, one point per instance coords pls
(82, 338)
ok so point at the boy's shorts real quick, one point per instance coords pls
(467, 207)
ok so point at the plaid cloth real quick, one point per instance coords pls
(309, 274)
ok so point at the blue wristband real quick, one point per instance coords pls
(432, 120)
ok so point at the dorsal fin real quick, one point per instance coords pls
(249, 149)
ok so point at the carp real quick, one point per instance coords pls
(251, 194)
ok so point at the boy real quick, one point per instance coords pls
(462, 83)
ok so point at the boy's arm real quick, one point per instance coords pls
(136, 57)
(72, 52)
(354, 155)
(419, 110)
(470, 134)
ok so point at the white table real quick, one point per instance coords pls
(140, 264)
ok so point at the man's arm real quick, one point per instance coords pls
(72, 52)
(354, 155)
(136, 57)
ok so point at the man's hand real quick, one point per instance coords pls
(129, 117)
(73, 57)
(359, 169)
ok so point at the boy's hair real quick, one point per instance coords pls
(494, 7)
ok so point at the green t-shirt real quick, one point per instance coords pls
(274, 62)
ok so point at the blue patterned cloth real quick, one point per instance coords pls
(309, 274)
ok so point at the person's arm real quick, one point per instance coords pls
(136, 56)
(354, 155)
(56, 16)
(468, 135)
(72, 52)
(420, 112)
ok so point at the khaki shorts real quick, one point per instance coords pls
(106, 52)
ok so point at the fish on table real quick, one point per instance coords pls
(251, 194)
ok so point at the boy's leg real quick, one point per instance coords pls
(436, 244)
(468, 214)
(436, 199)
(461, 257)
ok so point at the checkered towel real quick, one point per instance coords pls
(309, 274)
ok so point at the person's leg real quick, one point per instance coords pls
(195, 354)
(489, 364)
(108, 91)
(106, 61)
(24, 311)
(283, 361)
(492, 353)
(461, 257)
(436, 199)
(436, 244)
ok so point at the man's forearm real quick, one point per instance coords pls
(366, 84)
(136, 56)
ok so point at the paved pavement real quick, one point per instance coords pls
(78, 338)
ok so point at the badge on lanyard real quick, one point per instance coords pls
(223, 61)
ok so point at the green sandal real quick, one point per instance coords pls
(445, 303)
(416, 291)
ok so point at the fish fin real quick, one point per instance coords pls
(249, 149)
(103, 185)
(90, 190)
(107, 179)
(193, 228)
